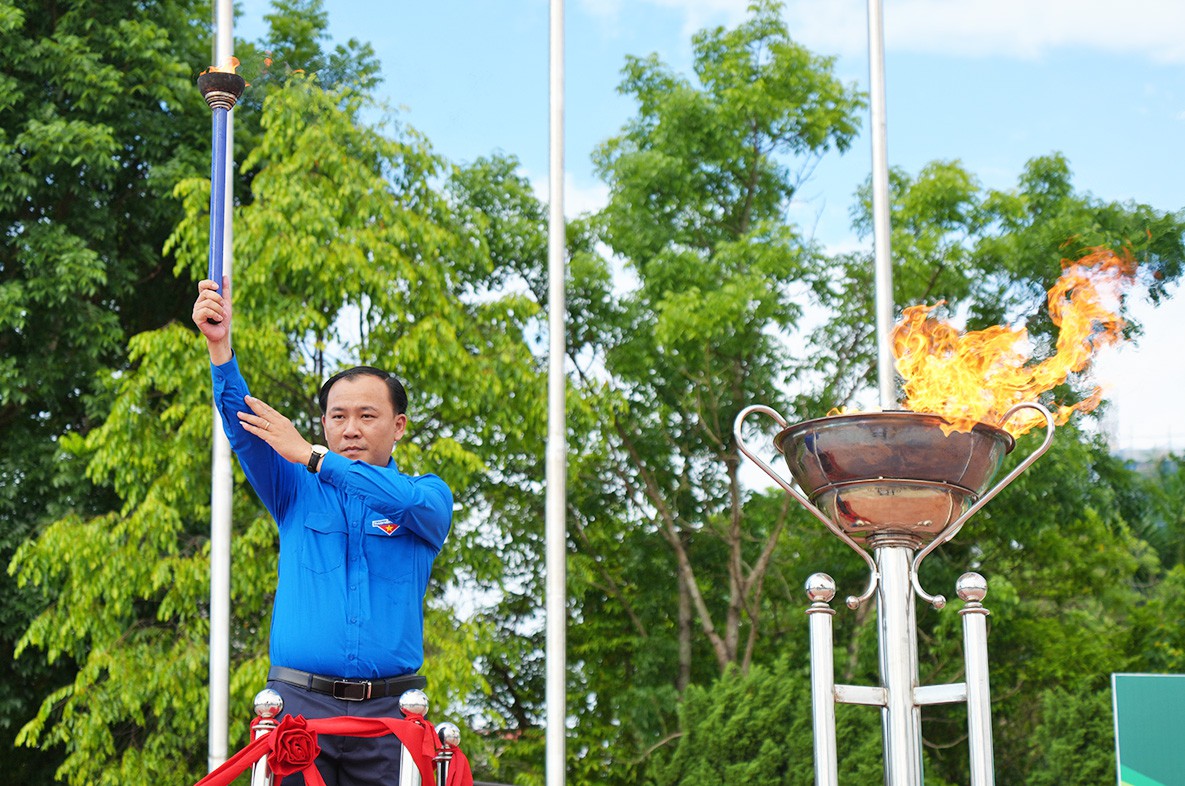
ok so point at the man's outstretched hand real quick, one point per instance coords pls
(276, 430)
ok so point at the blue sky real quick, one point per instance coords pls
(991, 83)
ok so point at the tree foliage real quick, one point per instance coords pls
(708, 327)
(698, 185)
(756, 728)
(346, 251)
(98, 120)
(990, 255)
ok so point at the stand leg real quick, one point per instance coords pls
(820, 589)
(972, 588)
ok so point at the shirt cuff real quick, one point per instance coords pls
(228, 368)
(333, 465)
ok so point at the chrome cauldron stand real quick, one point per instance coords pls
(895, 484)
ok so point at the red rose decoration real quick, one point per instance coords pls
(293, 747)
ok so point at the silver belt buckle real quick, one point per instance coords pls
(351, 690)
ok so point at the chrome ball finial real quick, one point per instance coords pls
(449, 733)
(414, 701)
(268, 703)
(820, 588)
(971, 587)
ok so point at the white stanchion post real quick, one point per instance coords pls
(820, 588)
(268, 706)
(972, 589)
(415, 702)
(450, 737)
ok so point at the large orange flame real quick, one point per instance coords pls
(976, 377)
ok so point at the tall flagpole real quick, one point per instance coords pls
(221, 475)
(557, 451)
(880, 207)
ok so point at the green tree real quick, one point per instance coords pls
(991, 254)
(1076, 738)
(756, 728)
(346, 251)
(1060, 547)
(697, 214)
(1162, 522)
(699, 181)
(99, 120)
(297, 43)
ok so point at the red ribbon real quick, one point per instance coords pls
(292, 746)
(459, 772)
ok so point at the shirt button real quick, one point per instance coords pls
(353, 657)
(353, 620)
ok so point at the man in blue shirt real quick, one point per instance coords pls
(357, 541)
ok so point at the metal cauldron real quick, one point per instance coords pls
(891, 478)
(892, 471)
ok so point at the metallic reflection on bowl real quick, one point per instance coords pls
(892, 472)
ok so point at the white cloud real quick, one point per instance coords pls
(697, 14)
(700, 14)
(579, 198)
(837, 27)
(1139, 377)
(608, 11)
(583, 197)
(1013, 28)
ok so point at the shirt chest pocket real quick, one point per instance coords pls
(389, 551)
(323, 543)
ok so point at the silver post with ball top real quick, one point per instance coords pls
(449, 735)
(268, 706)
(412, 702)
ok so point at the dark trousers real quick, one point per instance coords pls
(346, 761)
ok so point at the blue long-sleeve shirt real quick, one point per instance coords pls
(356, 548)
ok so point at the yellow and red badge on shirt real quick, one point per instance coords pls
(386, 525)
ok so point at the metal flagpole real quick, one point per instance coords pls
(557, 451)
(221, 475)
(880, 207)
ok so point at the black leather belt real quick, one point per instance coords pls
(348, 689)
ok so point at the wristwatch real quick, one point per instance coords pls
(319, 452)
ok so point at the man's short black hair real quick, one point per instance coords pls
(394, 386)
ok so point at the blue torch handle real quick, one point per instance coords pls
(218, 197)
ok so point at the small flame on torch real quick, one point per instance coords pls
(229, 66)
(977, 376)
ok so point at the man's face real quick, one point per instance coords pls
(360, 421)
